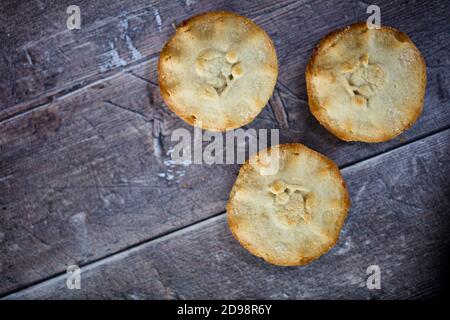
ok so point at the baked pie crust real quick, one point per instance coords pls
(294, 215)
(218, 71)
(366, 84)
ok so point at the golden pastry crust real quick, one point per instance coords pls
(366, 84)
(293, 216)
(218, 71)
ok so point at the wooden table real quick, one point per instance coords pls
(86, 177)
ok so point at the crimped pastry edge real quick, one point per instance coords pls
(163, 88)
(314, 106)
(301, 261)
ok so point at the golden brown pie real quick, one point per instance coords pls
(366, 84)
(218, 71)
(292, 215)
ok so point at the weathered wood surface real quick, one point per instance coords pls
(83, 170)
(87, 174)
(399, 221)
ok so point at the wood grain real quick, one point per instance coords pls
(85, 168)
(399, 221)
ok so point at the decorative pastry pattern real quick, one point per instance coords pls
(218, 71)
(294, 215)
(366, 84)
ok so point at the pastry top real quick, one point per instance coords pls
(292, 215)
(366, 84)
(218, 71)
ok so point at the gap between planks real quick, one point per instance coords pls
(64, 93)
(123, 253)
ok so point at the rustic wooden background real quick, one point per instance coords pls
(86, 176)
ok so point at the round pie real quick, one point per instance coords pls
(288, 205)
(366, 84)
(218, 71)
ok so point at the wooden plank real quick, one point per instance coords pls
(42, 60)
(399, 221)
(90, 174)
(83, 169)
(46, 60)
